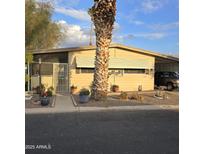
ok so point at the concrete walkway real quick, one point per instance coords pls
(63, 104)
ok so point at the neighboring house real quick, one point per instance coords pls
(128, 67)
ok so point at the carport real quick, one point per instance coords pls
(166, 64)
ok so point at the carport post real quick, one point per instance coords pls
(28, 70)
(39, 60)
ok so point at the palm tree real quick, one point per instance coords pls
(103, 16)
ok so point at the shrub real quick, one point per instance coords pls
(50, 88)
(73, 87)
(50, 91)
(140, 88)
(84, 91)
(115, 88)
(41, 89)
(123, 95)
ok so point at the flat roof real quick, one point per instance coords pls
(119, 46)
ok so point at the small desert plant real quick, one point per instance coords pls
(136, 96)
(84, 91)
(123, 95)
(51, 88)
(140, 88)
(115, 88)
(73, 89)
(140, 98)
(165, 96)
(159, 93)
(41, 89)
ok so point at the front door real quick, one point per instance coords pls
(60, 77)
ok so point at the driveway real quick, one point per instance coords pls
(109, 132)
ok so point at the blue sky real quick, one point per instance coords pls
(147, 24)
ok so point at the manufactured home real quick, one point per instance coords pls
(129, 68)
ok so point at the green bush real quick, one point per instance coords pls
(50, 91)
(84, 91)
(115, 88)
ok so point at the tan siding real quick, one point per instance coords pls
(132, 55)
(127, 82)
(130, 82)
(34, 81)
(47, 80)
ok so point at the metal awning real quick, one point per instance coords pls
(88, 62)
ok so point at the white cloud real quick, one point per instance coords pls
(74, 13)
(152, 36)
(138, 22)
(116, 27)
(149, 36)
(164, 27)
(149, 6)
(69, 3)
(74, 35)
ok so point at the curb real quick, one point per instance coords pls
(54, 101)
(95, 109)
(129, 108)
(73, 100)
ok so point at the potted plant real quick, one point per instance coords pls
(84, 95)
(50, 91)
(40, 89)
(45, 94)
(45, 99)
(115, 88)
(73, 89)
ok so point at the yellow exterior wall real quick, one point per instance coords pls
(126, 82)
(34, 81)
(47, 80)
(79, 80)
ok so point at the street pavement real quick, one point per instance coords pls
(103, 132)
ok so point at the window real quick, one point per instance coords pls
(116, 72)
(35, 69)
(46, 69)
(134, 71)
(84, 70)
(52, 57)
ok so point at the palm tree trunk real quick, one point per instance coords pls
(103, 15)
